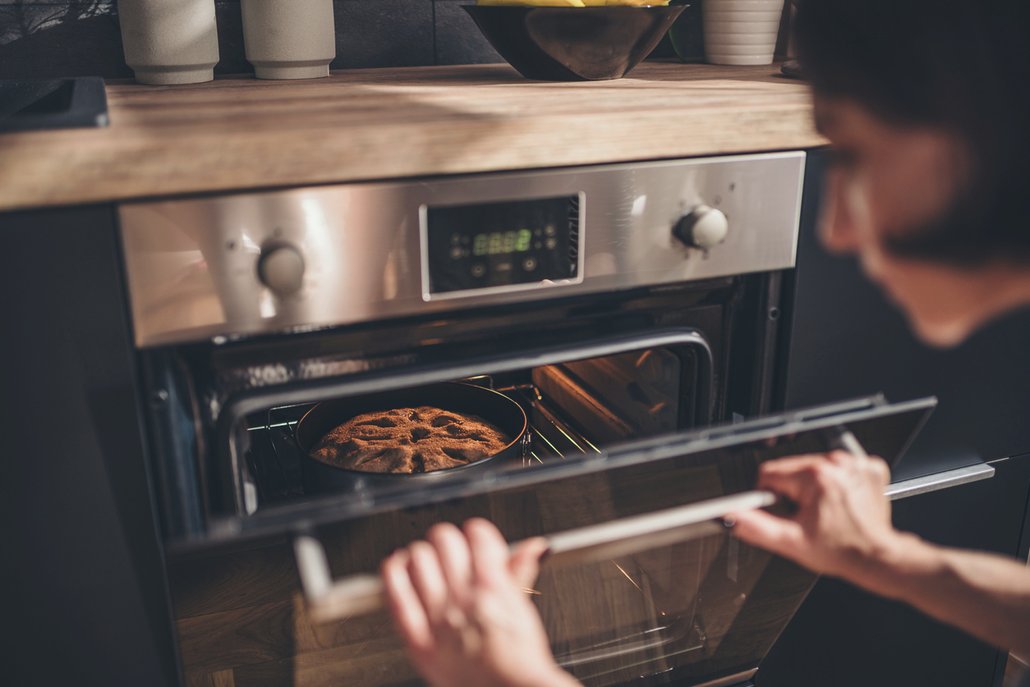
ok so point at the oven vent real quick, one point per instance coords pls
(574, 234)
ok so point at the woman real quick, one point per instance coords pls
(927, 106)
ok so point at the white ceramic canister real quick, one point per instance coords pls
(289, 39)
(169, 41)
(741, 31)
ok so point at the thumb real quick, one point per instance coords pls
(524, 563)
(767, 531)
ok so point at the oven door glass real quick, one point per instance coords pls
(689, 604)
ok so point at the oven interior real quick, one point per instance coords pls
(573, 409)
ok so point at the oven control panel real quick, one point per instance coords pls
(498, 247)
(243, 264)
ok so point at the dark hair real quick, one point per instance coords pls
(963, 65)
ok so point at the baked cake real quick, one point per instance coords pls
(409, 440)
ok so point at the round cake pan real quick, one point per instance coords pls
(492, 406)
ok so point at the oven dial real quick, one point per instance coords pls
(705, 227)
(281, 268)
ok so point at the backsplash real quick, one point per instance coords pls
(48, 38)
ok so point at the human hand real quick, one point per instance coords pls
(458, 602)
(842, 522)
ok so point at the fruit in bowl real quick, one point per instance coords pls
(575, 3)
(573, 40)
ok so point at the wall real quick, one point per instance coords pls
(48, 38)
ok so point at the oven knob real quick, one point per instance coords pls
(704, 227)
(281, 268)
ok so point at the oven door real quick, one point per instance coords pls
(643, 583)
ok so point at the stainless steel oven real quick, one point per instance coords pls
(634, 312)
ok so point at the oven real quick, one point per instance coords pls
(635, 314)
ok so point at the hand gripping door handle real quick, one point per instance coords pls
(356, 595)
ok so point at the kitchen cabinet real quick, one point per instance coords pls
(86, 600)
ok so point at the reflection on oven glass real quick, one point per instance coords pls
(667, 608)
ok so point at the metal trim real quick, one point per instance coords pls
(939, 481)
(428, 295)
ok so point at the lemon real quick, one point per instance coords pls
(534, 3)
(633, 3)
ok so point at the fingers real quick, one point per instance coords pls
(455, 559)
(489, 553)
(798, 477)
(841, 458)
(793, 464)
(428, 580)
(790, 477)
(880, 469)
(524, 563)
(758, 528)
(408, 613)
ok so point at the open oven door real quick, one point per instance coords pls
(643, 582)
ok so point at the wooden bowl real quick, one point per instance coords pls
(573, 43)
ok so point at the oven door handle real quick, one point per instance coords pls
(329, 599)
(361, 594)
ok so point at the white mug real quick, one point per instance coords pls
(289, 39)
(169, 41)
(741, 31)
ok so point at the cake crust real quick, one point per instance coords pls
(409, 440)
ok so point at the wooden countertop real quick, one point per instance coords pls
(241, 133)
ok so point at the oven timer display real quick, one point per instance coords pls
(505, 244)
(500, 243)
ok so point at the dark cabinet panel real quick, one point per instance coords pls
(83, 574)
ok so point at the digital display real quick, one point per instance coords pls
(489, 245)
(500, 242)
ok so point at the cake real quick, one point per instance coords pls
(409, 440)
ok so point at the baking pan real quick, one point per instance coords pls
(492, 406)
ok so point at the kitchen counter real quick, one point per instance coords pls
(242, 133)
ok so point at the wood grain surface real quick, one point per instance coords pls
(235, 134)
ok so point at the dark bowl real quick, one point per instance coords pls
(573, 43)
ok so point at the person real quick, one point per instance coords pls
(926, 104)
